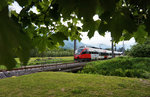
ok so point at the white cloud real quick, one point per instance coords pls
(127, 44)
(98, 40)
(15, 6)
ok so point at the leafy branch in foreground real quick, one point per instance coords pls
(56, 20)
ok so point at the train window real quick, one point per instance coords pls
(87, 51)
(96, 52)
(84, 52)
(104, 54)
(79, 51)
(90, 52)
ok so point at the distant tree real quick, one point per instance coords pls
(20, 32)
(141, 50)
(127, 52)
(121, 49)
(107, 48)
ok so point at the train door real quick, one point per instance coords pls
(102, 55)
(94, 55)
(109, 54)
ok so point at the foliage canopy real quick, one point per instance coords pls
(22, 31)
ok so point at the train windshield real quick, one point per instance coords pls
(78, 51)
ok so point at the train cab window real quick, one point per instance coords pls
(85, 52)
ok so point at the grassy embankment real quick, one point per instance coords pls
(122, 66)
(52, 84)
(44, 60)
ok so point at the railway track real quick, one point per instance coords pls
(65, 67)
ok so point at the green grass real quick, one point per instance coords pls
(54, 84)
(33, 59)
(49, 60)
(43, 60)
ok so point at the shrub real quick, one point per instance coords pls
(140, 50)
(118, 72)
(122, 66)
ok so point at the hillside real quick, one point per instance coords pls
(70, 44)
(54, 84)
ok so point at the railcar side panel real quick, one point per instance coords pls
(88, 53)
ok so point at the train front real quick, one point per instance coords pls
(77, 54)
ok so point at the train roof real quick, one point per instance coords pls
(89, 47)
(98, 49)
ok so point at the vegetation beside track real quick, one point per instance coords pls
(56, 84)
(122, 66)
(58, 52)
(43, 60)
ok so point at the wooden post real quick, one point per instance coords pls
(74, 46)
(115, 47)
(112, 47)
(123, 48)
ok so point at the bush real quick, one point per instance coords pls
(140, 50)
(122, 66)
(118, 72)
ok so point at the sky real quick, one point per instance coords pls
(97, 40)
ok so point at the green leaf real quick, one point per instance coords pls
(85, 11)
(59, 37)
(92, 28)
(103, 27)
(108, 5)
(67, 7)
(11, 40)
(54, 13)
(22, 3)
(121, 21)
(147, 24)
(140, 35)
(3, 4)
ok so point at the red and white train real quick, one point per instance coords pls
(93, 53)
